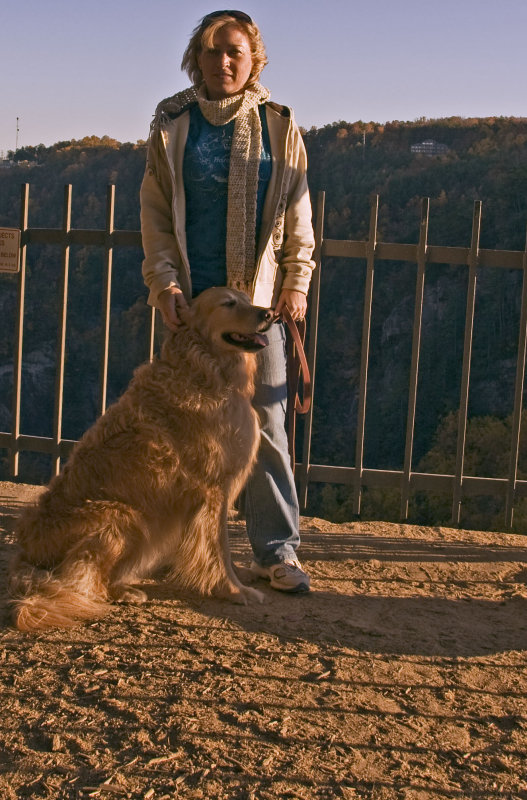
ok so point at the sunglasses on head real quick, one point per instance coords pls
(231, 12)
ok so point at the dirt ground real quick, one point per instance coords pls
(403, 674)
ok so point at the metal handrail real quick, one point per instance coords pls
(357, 477)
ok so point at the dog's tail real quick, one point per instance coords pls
(41, 599)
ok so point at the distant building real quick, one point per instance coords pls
(5, 163)
(430, 148)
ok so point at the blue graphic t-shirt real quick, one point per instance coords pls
(206, 176)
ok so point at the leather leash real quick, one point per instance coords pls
(298, 363)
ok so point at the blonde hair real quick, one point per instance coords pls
(203, 37)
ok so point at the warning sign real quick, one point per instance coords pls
(9, 249)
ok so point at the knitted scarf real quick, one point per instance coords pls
(245, 157)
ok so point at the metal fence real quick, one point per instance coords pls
(371, 252)
(64, 238)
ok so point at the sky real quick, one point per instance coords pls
(75, 68)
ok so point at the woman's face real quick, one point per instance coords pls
(227, 65)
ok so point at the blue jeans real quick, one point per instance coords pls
(271, 502)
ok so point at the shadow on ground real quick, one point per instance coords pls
(378, 588)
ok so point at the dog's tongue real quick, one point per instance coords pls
(261, 339)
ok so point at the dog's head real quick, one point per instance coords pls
(227, 319)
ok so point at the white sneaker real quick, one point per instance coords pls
(286, 576)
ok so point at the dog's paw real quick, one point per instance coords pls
(244, 595)
(245, 574)
(127, 594)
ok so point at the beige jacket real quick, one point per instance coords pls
(286, 241)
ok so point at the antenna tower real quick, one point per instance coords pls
(17, 132)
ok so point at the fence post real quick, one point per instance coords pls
(61, 338)
(416, 349)
(19, 333)
(365, 351)
(518, 398)
(107, 294)
(467, 355)
(314, 307)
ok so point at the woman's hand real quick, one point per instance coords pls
(171, 302)
(295, 301)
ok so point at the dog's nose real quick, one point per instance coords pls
(266, 314)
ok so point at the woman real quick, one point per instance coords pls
(224, 201)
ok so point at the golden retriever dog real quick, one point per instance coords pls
(151, 483)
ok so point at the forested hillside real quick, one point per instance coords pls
(484, 159)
